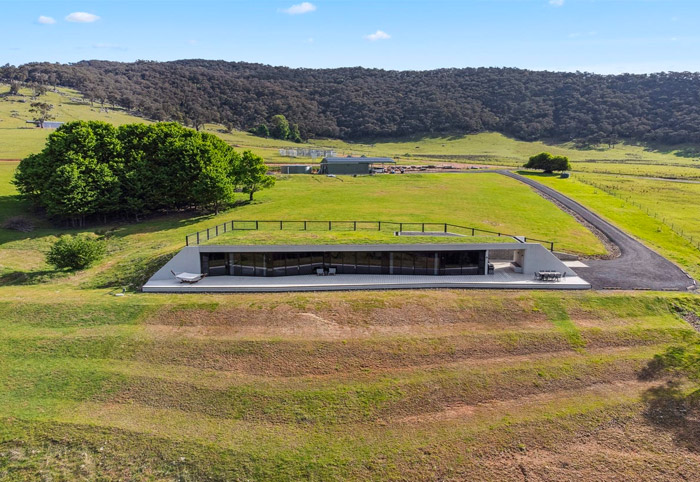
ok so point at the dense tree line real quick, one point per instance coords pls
(94, 170)
(357, 103)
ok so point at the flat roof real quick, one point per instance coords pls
(358, 160)
(276, 248)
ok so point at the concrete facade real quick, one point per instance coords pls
(351, 165)
(531, 257)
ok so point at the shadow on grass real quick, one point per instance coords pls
(672, 406)
(537, 174)
(23, 278)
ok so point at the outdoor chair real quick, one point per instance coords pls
(331, 271)
(186, 277)
(319, 272)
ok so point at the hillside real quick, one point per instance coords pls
(354, 103)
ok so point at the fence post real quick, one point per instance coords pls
(207, 233)
(197, 237)
(422, 227)
(187, 240)
(256, 225)
(232, 227)
(330, 226)
(304, 225)
(445, 227)
(400, 227)
(379, 225)
(354, 225)
(472, 231)
(225, 224)
(216, 229)
(280, 225)
(551, 246)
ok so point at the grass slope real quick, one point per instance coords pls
(446, 384)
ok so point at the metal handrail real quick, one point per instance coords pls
(254, 225)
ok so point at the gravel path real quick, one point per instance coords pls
(637, 267)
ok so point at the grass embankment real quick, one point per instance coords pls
(446, 384)
(135, 249)
(656, 212)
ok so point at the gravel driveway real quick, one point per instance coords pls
(637, 267)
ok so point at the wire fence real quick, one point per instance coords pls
(693, 240)
(387, 226)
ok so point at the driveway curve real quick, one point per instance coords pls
(637, 267)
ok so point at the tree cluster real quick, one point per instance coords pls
(548, 162)
(281, 129)
(358, 103)
(93, 170)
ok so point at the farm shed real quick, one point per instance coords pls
(295, 169)
(351, 165)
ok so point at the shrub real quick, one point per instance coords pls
(75, 252)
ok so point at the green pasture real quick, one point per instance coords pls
(656, 212)
(19, 139)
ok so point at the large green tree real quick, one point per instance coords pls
(548, 162)
(94, 170)
(252, 174)
(280, 127)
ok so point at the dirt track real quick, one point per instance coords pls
(637, 267)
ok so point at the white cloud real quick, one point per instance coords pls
(46, 20)
(556, 3)
(303, 7)
(378, 35)
(82, 17)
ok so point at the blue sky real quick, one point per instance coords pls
(604, 36)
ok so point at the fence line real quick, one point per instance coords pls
(691, 239)
(338, 225)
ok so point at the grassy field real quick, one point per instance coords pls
(418, 385)
(403, 385)
(137, 249)
(18, 139)
(663, 214)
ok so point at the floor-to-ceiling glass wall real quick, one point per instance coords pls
(344, 262)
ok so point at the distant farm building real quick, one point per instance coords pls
(306, 152)
(352, 165)
(295, 169)
(47, 124)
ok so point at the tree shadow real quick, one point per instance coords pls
(671, 406)
(25, 278)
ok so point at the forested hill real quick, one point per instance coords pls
(354, 103)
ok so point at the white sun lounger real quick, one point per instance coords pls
(186, 277)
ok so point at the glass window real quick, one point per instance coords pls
(363, 258)
(247, 264)
(305, 266)
(336, 261)
(450, 263)
(407, 263)
(217, 264)
(349, 263)
(423, 263)
(292, 262)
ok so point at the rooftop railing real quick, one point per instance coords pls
(387, 226)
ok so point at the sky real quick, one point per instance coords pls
(601, 36)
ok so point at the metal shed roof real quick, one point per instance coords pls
(358, 160)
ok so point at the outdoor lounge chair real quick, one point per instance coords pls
(319, 272)
(331, 271)
(186, 277)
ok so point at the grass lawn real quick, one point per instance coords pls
(447, 384)
(673, 203)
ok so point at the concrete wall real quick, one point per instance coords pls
(187, 260)
(295, 169)
(538, 258)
